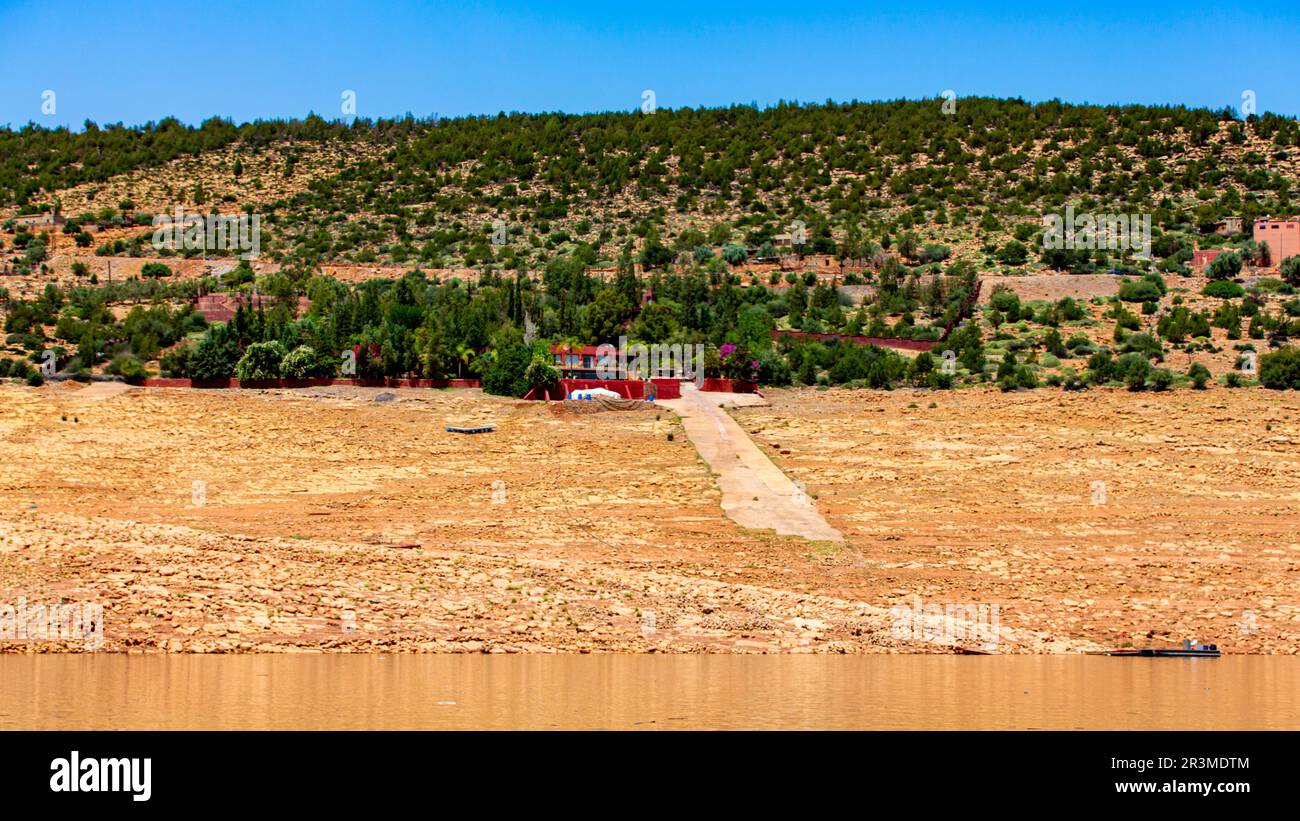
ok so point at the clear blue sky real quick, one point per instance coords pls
(130, 62)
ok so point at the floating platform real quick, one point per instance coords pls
(1188, 650)
(480, 429)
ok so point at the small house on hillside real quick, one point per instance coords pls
(1282, 236)
(1201, 258)
(1226, 227)
(35, 221)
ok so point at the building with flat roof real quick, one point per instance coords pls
(1282, 236)
(39, 220)
(577, 361)
(1201, 258)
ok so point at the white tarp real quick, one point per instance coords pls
(592, 393)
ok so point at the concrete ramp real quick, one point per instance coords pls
(755, 493)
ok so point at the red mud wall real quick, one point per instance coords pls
(311, 383)
(729, 386)
(626, 388)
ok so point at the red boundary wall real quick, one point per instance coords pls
(730, 386)
(626, 388)
(310, 383)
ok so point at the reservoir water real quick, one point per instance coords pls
(319, 691)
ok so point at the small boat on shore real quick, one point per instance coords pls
(1188, 650)
(479, 429)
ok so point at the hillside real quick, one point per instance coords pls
(669, 227)
(861, 176)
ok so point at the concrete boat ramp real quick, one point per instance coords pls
(755, 492)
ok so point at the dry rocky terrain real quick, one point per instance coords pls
(556, 532)
(990, 497)
(331, 519)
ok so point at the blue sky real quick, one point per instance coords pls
(123, 62)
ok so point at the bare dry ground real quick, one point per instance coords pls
(316, 504)
(1053, 286)
(989, 497)
(328, 520)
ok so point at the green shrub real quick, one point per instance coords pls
(1223, 289)
(1199, 374)
(505, 374)
(1271, 285)
(1281, 369)
(1289, 268)
(1225, 266)
(1070, 310)
(540, 373)
(20, 368)
(1006, 301)
(175, 363)
(304, 363)
(1136, 372)
(1021, 376)
(1139, 290)
(734, 254)
(1080, 345)
(773, 369)
(261, 360)
(129, 368)
(1142, 343)
(939, 380)
(216, 354)
(1013, 253)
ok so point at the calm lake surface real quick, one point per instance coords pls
(646, 692)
